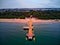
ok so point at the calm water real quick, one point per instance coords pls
(13, 34)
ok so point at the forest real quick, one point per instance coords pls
(47, 14)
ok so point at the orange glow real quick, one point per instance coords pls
(27, 19)
(30, 23)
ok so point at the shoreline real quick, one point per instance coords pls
(26, 20)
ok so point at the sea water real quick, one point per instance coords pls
(12, 33)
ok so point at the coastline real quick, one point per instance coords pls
(26, 20)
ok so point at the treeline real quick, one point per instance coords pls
(47, 14)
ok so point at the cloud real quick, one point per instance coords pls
(30, 4)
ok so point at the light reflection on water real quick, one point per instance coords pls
(45, 33)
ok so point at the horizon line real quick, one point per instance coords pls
(25, 8)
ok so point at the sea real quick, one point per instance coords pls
(12, 33)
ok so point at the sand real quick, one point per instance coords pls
(26, 20)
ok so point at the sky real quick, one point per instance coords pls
(29, 4)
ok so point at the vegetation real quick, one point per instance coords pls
(47, 14)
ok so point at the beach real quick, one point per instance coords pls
(26, 20)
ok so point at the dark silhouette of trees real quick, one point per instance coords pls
(47, 14)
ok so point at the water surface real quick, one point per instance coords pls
(13, 34)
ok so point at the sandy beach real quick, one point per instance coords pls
(26, 20)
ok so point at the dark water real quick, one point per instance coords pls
(13, 34)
